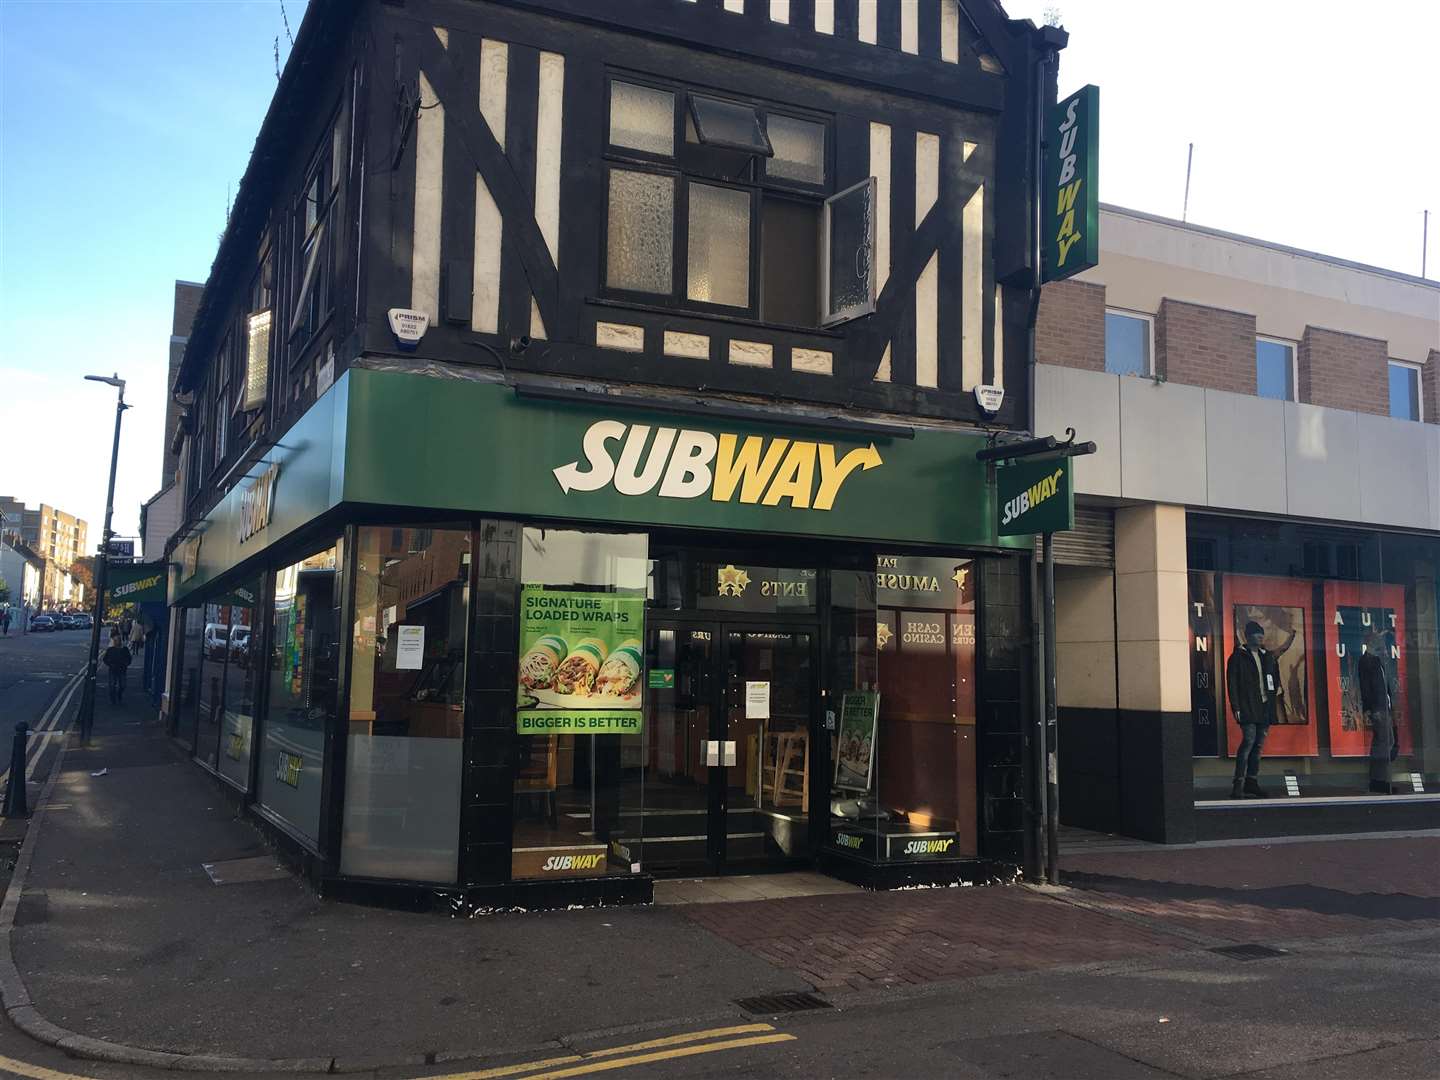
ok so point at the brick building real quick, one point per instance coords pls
(57, 537)
(1269, 452)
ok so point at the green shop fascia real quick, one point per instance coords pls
(387, 448)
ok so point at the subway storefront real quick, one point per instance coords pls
(454, 643)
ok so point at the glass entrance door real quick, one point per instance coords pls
(728, 740)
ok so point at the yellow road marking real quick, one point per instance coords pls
(37, 1072)
(651, 1044)
(659, 1055)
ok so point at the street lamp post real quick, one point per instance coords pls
(87, 699)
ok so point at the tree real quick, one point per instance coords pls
(4, 591)
(83, 571)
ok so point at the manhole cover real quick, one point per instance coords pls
(242, 871)
(1248, 952)
(766, 1004)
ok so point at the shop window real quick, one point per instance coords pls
(300, 706)
(1275, 369)
(1128, 340)
(1404, 391)
(904, 752)
(187, 691)
(739, 190)
(242, 675)
(407, 704)
(212, 683)
(578, 787)
(1347, 652)
(313, 241)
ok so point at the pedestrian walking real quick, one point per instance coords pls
(117, 660)
(5, 622)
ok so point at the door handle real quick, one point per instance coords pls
(729, 751)
(711, 749)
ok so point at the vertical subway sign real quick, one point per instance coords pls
(1070, 195)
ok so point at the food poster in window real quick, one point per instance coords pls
(1206, 716)
(582, 662)
(1361, 618)
(855, 752)
(1283, 607)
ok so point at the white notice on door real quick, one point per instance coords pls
(757, 701)
(409, 648)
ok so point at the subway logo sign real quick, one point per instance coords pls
(1035, 497)
(681, 463)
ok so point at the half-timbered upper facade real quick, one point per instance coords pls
(799, 201)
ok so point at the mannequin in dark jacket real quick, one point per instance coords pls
(1375, 699)
(1252, 677)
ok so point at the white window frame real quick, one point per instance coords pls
(1294, 347)
(1419, 370)
(1149, 320)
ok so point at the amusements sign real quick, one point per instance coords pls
(582, 662)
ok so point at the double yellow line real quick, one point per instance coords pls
(641, 1053)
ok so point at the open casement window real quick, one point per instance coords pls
(848, 254)
(312, 298)
(308, 299)
(714, 204)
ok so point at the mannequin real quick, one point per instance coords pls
(1252, 677)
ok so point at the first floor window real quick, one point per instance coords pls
(1404, 391)
(1127, 343)
(1275, 369)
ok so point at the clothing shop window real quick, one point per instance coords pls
(1324, 642)
(716, 204)
(407, 704)
(579, 776)
(303, 674)
(1275, 369)
(1128, 343)
(1404, 391)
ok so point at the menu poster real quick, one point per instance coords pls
(582, 662)
(855, 754)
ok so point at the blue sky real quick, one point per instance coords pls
(123, 124)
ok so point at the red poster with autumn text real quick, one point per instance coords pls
(1283, 607)
(1353, 611)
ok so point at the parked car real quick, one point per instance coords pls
(216, 635)
(240, 643)
(83, 621)
(42, 624)
(65, 622)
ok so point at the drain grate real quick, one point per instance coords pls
(1248, 952)
(766, 1004)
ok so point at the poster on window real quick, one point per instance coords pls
(1283, 608)
(855, 754)
(1359, 620)
(582, 662)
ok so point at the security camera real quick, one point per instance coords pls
(519, 344)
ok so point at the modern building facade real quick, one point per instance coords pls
(58, 538)
(579, 464)
(1269, 453)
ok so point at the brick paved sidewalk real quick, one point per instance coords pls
(914, 937)
(1119, 906)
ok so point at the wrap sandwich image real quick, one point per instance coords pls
(538, 665)
(620, 674)
(576, 673)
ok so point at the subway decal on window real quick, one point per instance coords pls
(681, 463)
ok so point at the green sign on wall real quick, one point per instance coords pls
(1070, 195)
(1036, 497)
